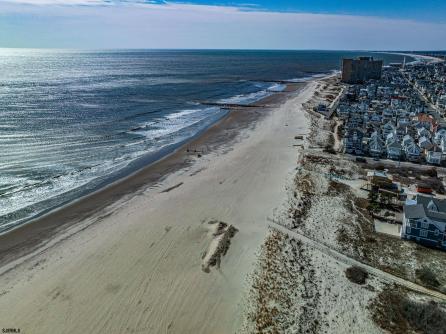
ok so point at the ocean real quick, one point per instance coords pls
(74, 121)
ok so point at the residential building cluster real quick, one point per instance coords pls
(430, 80)
(389, 118)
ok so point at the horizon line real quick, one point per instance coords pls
(217, 49)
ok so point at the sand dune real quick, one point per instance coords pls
(139, 269)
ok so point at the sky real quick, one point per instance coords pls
(237, 24)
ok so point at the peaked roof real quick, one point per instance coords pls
(424, 139)
(425, 200)
(421, 210)
(394, 144)
(412, 147)
(389, 124)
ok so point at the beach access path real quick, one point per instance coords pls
(137, 269)
(385, 276)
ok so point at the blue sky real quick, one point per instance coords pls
(420, 9)
(250, 24)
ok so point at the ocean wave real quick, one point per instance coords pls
(277, 87)
(30, 197)
(314, 76)
(255, 96)
(181, 114)
(174, 122)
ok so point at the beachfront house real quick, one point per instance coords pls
(353, 142)
(424, 221)
(391, 137)
(434, 156)
(407, 140)
(412, 152)
(376, 145)
(394, 150)
(379, 179)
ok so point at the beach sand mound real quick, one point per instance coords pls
(222, 234)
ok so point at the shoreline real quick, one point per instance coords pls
(142, 163)
(417, 57)
(28, 235)
(325, 233)
(138, 266)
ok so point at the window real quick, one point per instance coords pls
(408, 230)
(413, 224)
(423, 233)
(425, 225)
(437, 232)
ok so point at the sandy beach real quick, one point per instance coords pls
(303, 281)
(172, 256)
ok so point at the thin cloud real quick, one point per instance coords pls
(85, 2)
(58, 2)
(145, 24)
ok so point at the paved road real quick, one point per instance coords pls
(393, 163)
(352, 262)
(371, 163)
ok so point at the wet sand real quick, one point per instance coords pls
(26, 238)
(128, 258)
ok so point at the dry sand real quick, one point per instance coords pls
(295, 287)
(300, 283)
(138, 268)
